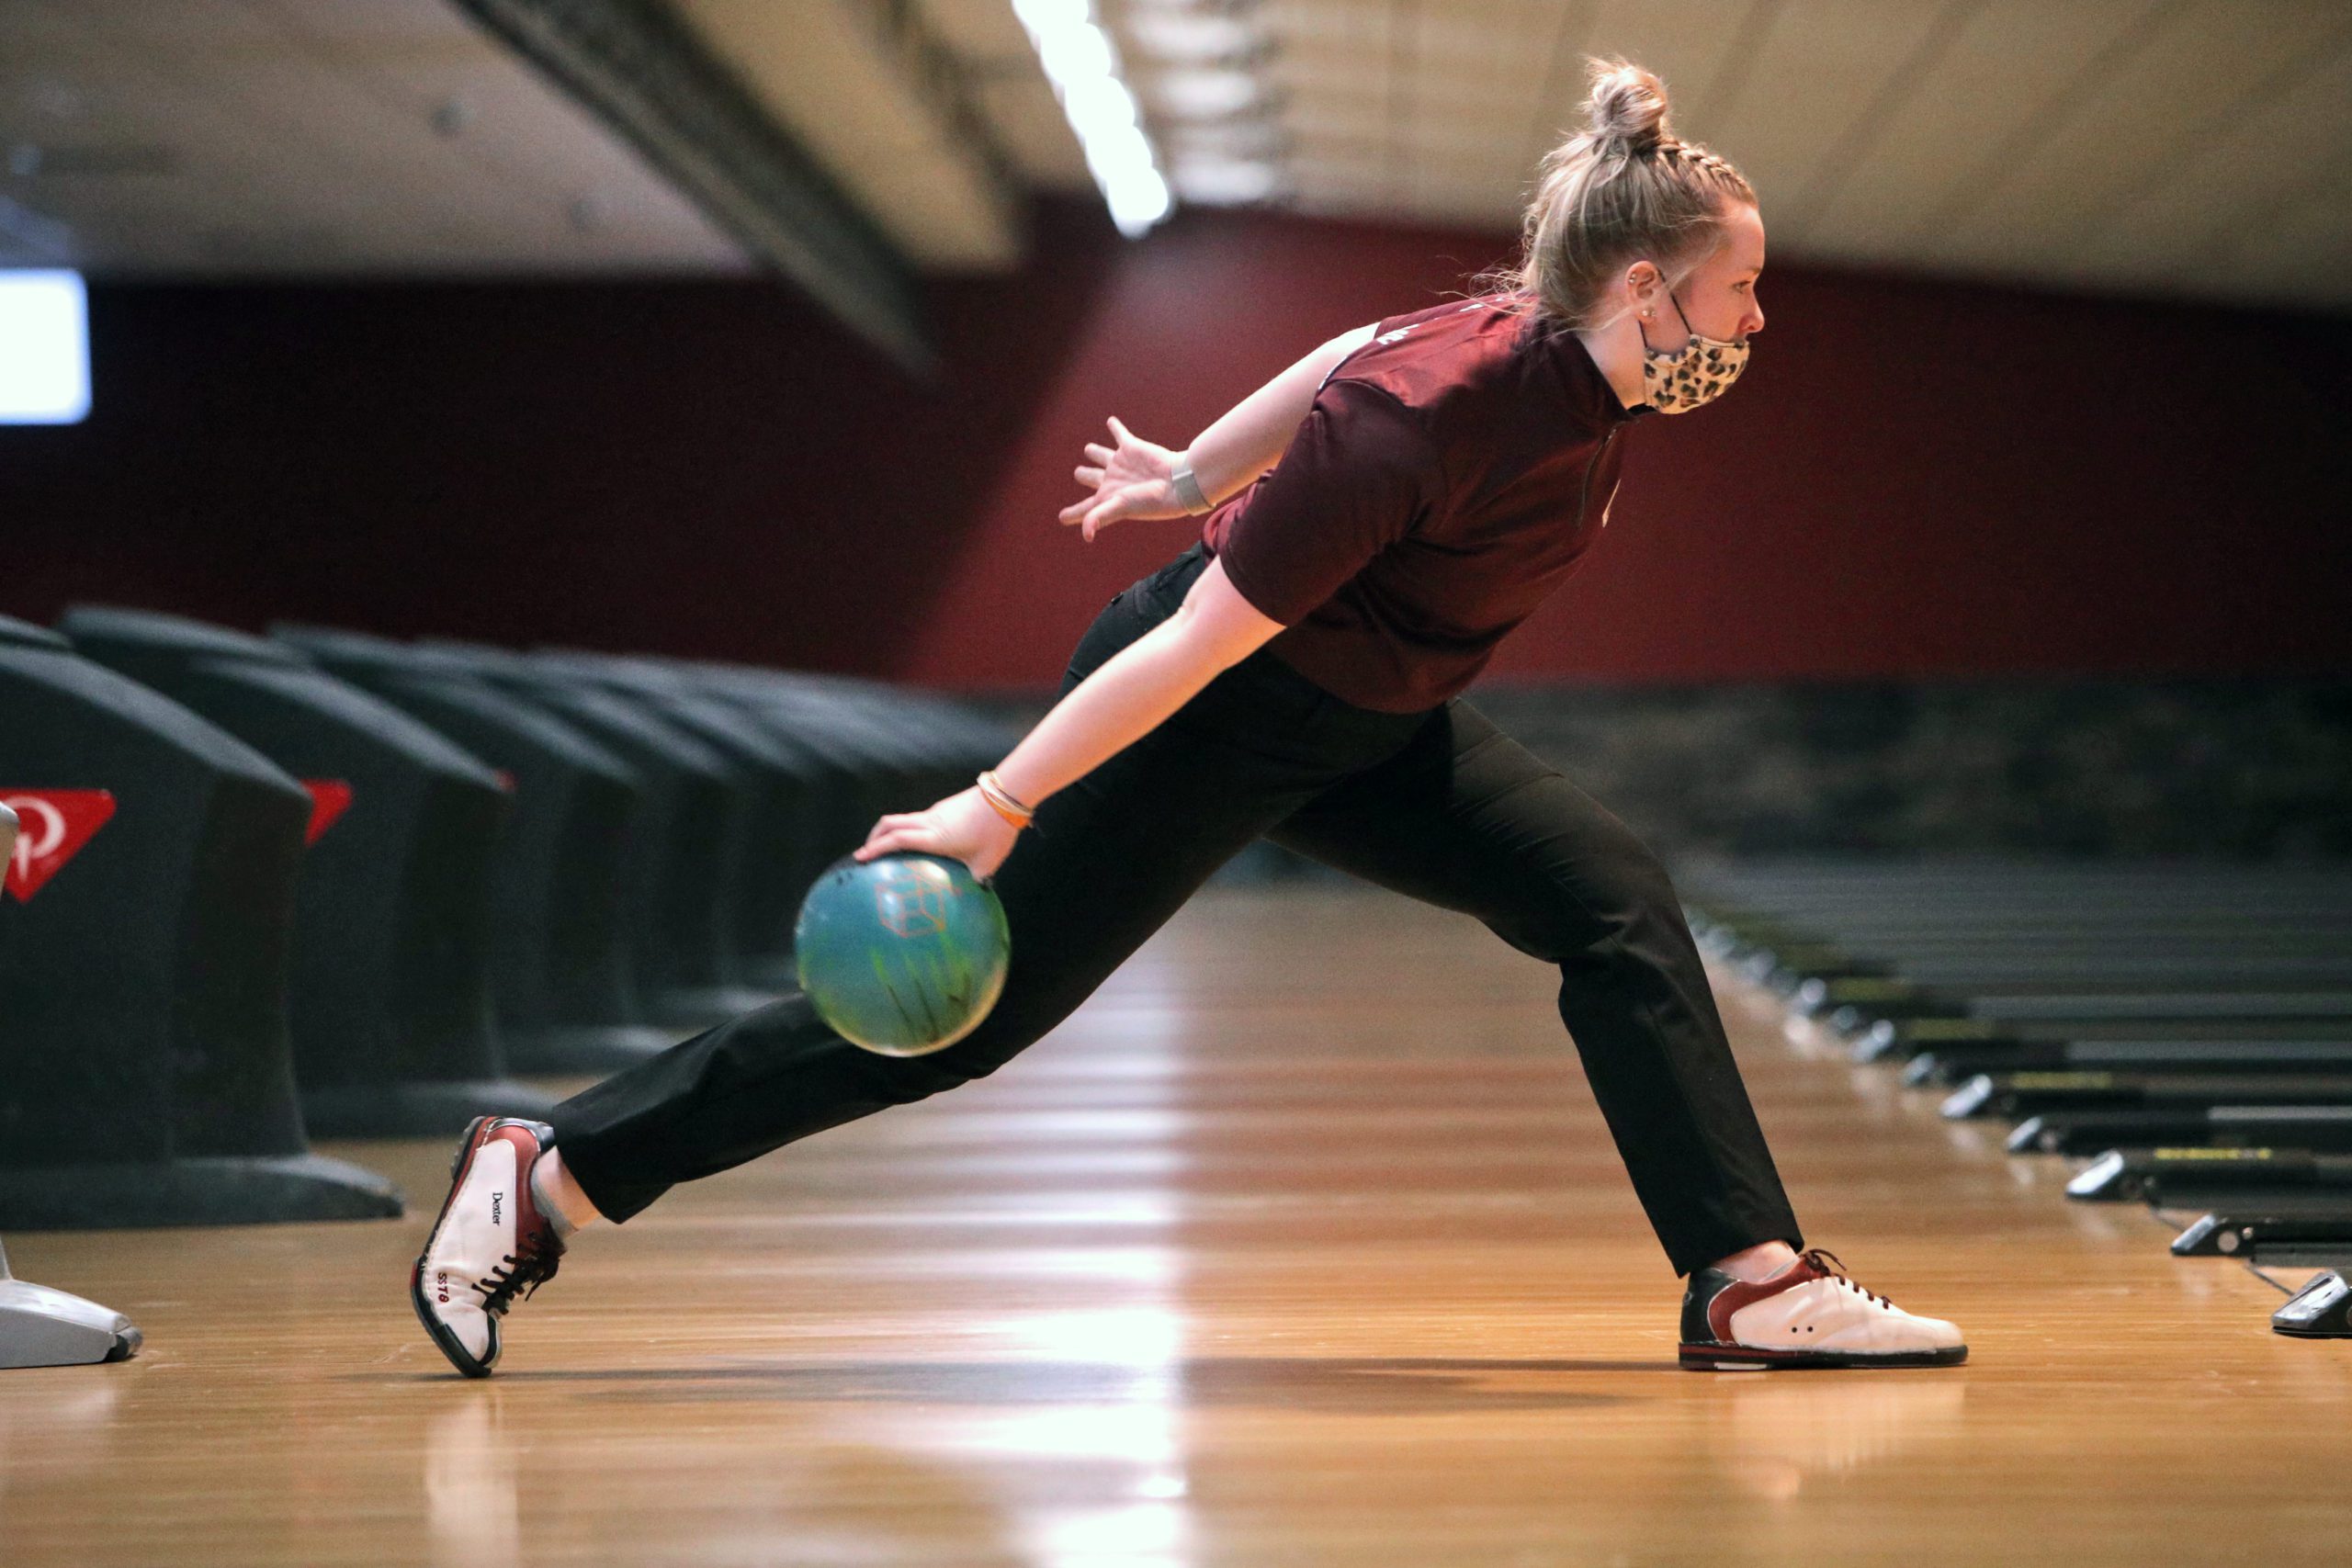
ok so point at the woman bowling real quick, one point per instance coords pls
(1379, 517)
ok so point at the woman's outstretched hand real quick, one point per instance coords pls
(962, 827)
(1130, 480)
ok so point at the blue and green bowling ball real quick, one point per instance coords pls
(903, 953)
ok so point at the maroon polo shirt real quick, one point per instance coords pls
(1448, 478)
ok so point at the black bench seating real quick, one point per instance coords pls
(394, 1031)
(562, 971)
(145, 1070)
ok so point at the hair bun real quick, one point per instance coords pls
(1626, 106)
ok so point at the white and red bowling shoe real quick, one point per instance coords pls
(490, 1244)
(1809, 1314)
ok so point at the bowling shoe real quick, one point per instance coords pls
(1809, 1314)
(490, 1244)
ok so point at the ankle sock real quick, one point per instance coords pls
(549, 1208)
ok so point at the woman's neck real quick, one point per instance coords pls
(1616, 351)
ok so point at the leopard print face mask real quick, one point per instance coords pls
(1693, 375)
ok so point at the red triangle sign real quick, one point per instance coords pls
(330, 798)
(53, 826)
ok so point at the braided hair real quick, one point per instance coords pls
(1623, 188)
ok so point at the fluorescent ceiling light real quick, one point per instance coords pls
(1224, 182)
(1225, 139)
(1205, 94)
(1190, 36)
(1075, 54)
(44, 348)
(1084, 69)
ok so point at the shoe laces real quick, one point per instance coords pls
(1828, 1264)
(524, 1270)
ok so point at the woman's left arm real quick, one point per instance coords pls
(1133, 478)
(1249, 437)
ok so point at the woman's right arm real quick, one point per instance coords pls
(1128, 697)
(1132, 479)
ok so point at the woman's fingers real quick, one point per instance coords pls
(893, 842)
(1109, 472)
(1119, 504)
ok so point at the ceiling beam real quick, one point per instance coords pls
(643, 73)
(940, 83)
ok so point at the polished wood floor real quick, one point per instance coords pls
(1301, 1245)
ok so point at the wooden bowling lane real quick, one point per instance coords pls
(1301, 1245)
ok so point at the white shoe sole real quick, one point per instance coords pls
(1741, 1359)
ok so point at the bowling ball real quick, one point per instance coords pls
(903, 953)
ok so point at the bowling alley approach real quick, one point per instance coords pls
(1167, 784)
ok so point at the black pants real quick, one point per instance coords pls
(1439, 805)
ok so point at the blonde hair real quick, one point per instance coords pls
(1624, 188)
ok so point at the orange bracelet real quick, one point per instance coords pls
(1002, 802)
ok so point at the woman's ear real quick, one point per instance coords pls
(1641, 285)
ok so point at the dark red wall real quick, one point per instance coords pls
(1914, 478)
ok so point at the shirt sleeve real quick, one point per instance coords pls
(1358, 476)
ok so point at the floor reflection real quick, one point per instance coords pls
(1784, 1432)
(56, 1428)
(471, 1512)
(502, 1487)
(1366, 1385)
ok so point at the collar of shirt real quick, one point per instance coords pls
(1581, 381)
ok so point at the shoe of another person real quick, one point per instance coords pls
(490, 1245)
(1809, 1314)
